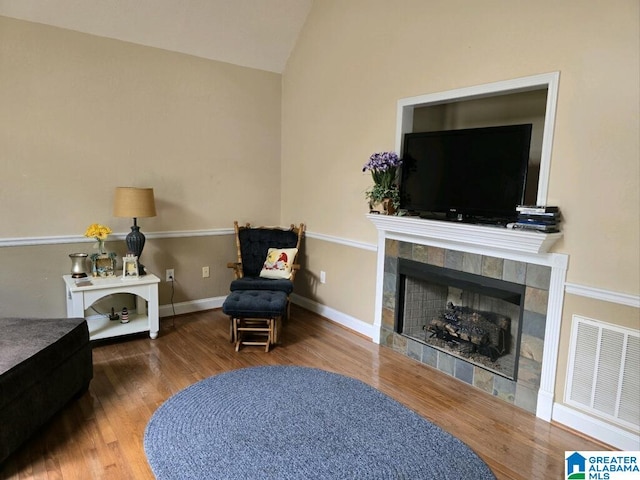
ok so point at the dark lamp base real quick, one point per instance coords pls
(135, 243)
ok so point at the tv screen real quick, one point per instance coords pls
(471, 174)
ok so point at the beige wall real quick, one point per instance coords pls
(354, 60)
(31, 283)
(350, 277)
(81, 115)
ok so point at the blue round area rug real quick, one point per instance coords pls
(285, 422)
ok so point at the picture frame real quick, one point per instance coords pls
(129, 267)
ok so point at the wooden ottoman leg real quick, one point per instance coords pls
(277, 326)
(270, 323)
(236, 333)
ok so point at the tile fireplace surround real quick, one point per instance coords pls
(515, 256)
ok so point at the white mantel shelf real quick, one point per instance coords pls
(476, 236)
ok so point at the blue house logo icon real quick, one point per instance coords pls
(576, 467)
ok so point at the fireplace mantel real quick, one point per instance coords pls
(522, 246)
(464, 234)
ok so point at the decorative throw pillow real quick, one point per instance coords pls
(278, 263)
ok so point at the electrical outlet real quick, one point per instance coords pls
(323, 276)
(169, 275)
(205, 272)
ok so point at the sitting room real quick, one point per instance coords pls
(270, 113)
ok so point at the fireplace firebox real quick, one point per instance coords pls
(469, 316)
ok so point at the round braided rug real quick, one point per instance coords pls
(285, 422)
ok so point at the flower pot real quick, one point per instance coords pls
(383, 207)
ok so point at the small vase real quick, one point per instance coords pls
(383, 207)
(78, 264)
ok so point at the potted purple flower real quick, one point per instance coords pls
(384, 196)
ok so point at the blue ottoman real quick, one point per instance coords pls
(254, 316)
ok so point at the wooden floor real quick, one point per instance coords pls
(100, 435)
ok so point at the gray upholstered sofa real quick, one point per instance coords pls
(44, 363)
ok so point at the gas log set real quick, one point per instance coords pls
(472, 331)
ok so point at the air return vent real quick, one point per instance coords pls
(603, 377)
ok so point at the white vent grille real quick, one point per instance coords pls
(603, 375)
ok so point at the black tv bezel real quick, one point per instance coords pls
(472, 214)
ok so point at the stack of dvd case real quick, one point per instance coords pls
(540, 218)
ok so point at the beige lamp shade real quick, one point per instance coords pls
(134, 202)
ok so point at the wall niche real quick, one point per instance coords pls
(523, 100)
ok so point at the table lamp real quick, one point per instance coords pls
(134, 203)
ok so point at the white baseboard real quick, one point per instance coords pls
(544, 409)
(340, 318)
(595, 428)
(191, 306)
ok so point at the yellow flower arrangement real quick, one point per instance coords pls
(97, 231)
(100, 233)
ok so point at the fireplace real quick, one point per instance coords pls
(481, 283)
(514, 256)
(471, 317)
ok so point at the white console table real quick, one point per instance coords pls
(145, 288)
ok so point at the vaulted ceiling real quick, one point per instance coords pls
(252, 33)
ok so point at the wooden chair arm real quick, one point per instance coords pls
(294, 269)
(237, 268)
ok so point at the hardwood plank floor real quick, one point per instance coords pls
(100, 434)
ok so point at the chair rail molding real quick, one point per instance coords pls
(603, 295)
(63, 239)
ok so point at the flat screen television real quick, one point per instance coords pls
(476, 174)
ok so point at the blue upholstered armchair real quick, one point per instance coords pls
(266, 257)
(265, 269)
